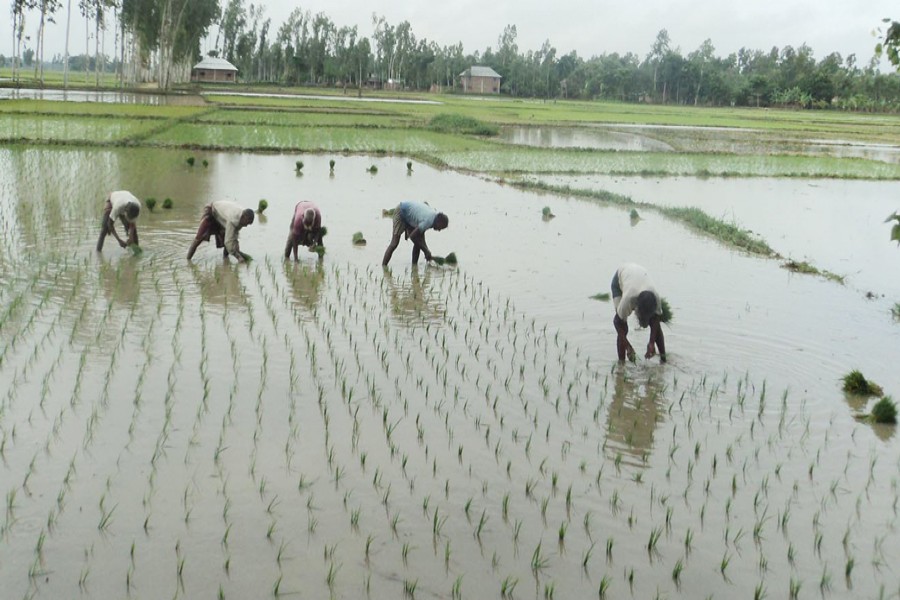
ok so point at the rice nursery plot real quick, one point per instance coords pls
(314, 139)
(332, 429)
(68, 129)
(666, 163)
(305, 118)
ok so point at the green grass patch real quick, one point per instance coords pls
(456, 123)
(61, 129)
(856, 383)
(808, 269)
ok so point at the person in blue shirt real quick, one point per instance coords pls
(413, 219)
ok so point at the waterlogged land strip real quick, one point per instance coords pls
(538, 160)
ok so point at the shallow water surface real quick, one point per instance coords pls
(101, 96)
(580, 137)
(330, 428)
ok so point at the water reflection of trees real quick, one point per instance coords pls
(414, 301)
(636, 409)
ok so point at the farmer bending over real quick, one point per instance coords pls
(306, 228)
(413, 219)
(222, 219)
(632, 291)
(126, 208)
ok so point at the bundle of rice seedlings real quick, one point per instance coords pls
(666, 316)
(320, 250)
(856, 383)
(263, 205)
(388, 212)
(167, 203)
(547, 213)
(151, 203)
(135, 250)
(884, 411)
(358, 239)
(602, 296)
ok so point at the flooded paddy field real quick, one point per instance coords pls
(331, 429)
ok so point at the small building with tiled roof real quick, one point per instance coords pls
(480, 80)
(214, 70)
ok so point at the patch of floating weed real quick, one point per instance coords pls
(808, 269)
(856, 383)
(455, 123)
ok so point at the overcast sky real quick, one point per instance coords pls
(588, 27)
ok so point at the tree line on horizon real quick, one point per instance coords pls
(160, 39)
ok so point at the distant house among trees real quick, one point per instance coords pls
(480, 80)
(212, 69)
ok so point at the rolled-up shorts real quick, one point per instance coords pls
(616, 291)
(400, 226)
(210, 227)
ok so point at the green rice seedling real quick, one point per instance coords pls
(359, 239)
(605, 582)
(547, 214)
(205, 163)
(409, 166)
(373, 170)
(150, 203)
(298, 166)
(895, 230)
(794, 589)
(456, 590)
(276, 587)
(884, 411)
(562, 532)
(409, 587)
(538, 561)
(388, 212)
(602, 296)
(856, 383)
(320, 250)
(676, 572)
(759, 592)
(190, 161)
(167, 203)
(263, 205)
(634, 216)
(723, 564)
(666, 316)
(655, 533)
(508, 586)
(895, 310)
(331, 166)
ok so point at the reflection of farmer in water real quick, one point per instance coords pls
(413, 301)
(632, 291)
(222, 219)
(306, 228)
(126, 208)
(413, 219)
(306, 283)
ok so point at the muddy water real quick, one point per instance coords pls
(328, 428)
(664, 138)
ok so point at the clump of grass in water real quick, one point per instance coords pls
(263, 205)
(151, 203)
(856, 383)
(167, 203)
(547, 214)
(808, 269)
(190, 161)
(359, 239)
(452, 123)
(884, 411)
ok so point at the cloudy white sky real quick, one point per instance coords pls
(589, 27)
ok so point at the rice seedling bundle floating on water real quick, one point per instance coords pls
(331, 165)
(885, 411)
(205, 163)
(151, 203)
(602, 296)
(263, 205)
(136, 250)
(388, 212)
(359, 239)
(373, 169)
(190, 161)
(167, 203)
(246, 256)
(856, 383)
(320, 250)
(634, 215)
(450, 259)
(298, 166)
(547, 213)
